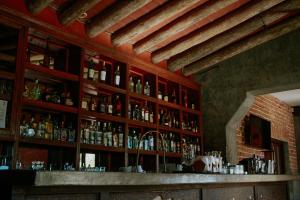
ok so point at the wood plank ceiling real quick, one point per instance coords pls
(188, 35)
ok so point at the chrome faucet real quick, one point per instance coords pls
(164, 148)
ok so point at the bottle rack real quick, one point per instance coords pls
(95, 90)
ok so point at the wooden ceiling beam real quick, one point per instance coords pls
(7, 58)
(36, 6)
(152, 21)
(242, 46)
(75, 10)
(214, 29)
(191, 20)
(220, 41)
(110, 17)
(290, 6)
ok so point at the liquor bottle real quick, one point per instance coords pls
(102, 107)
(142, 118)
(129, 111)
(151, 116)
(117, 77)
(92, 132)
(32, 127)
(98, 134)
(134, 139)
(56, 131)
(120, 136)
(105, 138)
(86, 136)
(146, 143)
(192, 103)
(93, 104)
(48, 128)
(131, 84)
(138, 87)
(159, 96)
(91, 65)
(146, 111)
(109, 106)
(63, 132)
(135, 112)
(84, 103)
(115, 139)
(129, 139)
(147, 89)
(118, 106)
(96, 74)
(36, 91)
(173, 97)
(103, 73)
(166, 118)
(71, 132)
(151, 142)
(41, 129)
(166, 97)
(185, 100)
(109, 135)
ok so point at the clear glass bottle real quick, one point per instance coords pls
(131, 84)
(117, 77)
(147, 89)
(103, 73)
(91, 72)
(138, 87)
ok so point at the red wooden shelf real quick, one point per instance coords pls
(141, 123)
(7, 75)
(142, 152)
(41, 141)
(169, 129)
(143, 97)
(6, 136)
(41, 72)
(191, 111)
(190, 133)
(101, 148)
(168, 104)
(170, 154)
(103, 116)
(94, 86)
(48, 106)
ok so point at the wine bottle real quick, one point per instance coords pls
(131, 84)
(118, 106)
(120, 136)
(147, 89)
(91, 65)
(173, 97)
(138, 87)
(117, 77)
(109, 106)
(103, 73)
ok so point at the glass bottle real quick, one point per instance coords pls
(105, 138)
(131, 84)
(147, 89)
(118, 106)
(109, 106)
(91, 73)
(56, 131)
(109, 135)
(138, 87)
(166, 97)
(159, 96)
(115, 138)
(103, 73)
(48, 128)
(102, 107)
(117, 76)
(129, 139)
(151, 115)
(71, 133)
(121, 136)
(36, 91)
(93, 104)
(41, 129)
(146, 111)
(173, 97)
(151, 142)
(185, 100)
(99, 134)
(63, 132)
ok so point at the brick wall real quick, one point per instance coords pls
(282, 127)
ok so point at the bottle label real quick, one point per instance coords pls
(146, 116)
(91, 73)
(109, 110)
(117, 80)
(103, 75)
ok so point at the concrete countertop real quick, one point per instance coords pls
(61, 178)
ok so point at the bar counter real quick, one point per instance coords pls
(29, 185)
(132, 179)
